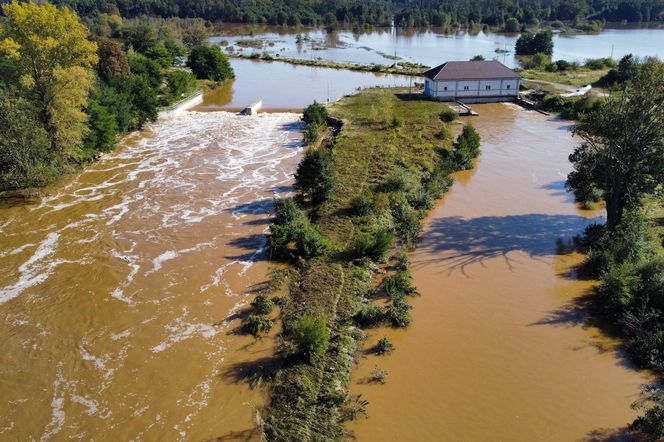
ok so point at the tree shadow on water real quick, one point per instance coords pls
(255, 246)
(457, 242)
(608, 435)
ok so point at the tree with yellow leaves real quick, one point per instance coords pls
(54, 58)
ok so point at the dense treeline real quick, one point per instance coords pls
(67, 90)
(621, 161)
(381, 12)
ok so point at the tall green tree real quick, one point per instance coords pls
(54, 59)
(25, 158)
(621, 155)
(208, 62)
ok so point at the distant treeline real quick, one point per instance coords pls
(381, 12)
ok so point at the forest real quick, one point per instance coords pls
(69, 89)
(381, 12)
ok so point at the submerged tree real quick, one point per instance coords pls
(621, 156)
(54, 59)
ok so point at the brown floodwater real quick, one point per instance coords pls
(120, 289)
(499, 348)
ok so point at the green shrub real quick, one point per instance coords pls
(310, 135)
(315, 114)
(399, 180)
(369, 315)
(650, 426)
(406, 219)
(310, 336)
(310, 243)
(651, 274)
(363, 204)
(398, 312)
(617, 289)
(597, 262)
(261, 304)
(447, 115)
(384, 346)
(314, 175)
(286, 211)
(258, 324)
(374, 245)
(399, 284)
(422, 199)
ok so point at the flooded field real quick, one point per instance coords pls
(499, 348)
(431, 46)
(119, 288)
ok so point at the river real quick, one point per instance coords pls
(119, 288)
(499, 348)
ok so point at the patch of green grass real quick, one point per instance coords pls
(370, 148)
(576, 77)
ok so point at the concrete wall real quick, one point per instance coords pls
(464, 90)
(182, 106)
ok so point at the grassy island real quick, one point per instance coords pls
(375, 163)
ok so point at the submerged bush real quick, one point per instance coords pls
(258, 324)
(369, 315)
(399, 284)
(384, 346)
(261, 304)
(398, 312)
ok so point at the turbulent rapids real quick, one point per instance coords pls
(118, 288)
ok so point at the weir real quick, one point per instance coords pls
(253, 109)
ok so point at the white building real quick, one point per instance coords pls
(472, 82)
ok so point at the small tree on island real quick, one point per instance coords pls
(209, 63)
(621, 157)
(530, 44)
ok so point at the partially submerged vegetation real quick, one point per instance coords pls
(401, 67)
(621, 161)
(363, 191)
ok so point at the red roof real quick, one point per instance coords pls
(471, 70)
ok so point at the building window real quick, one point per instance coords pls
(508, 86)
(445, 88)
(487, 87)
(465, 88)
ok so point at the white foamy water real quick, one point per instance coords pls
(126, 274)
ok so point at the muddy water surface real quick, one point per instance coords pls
(118, 289)
(498, 349)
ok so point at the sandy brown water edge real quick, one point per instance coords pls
(121, 290)
(498, 349)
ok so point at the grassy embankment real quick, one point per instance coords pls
(401, 68)
(575, 78)
(388, 163)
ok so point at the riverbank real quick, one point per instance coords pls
(389, 161)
